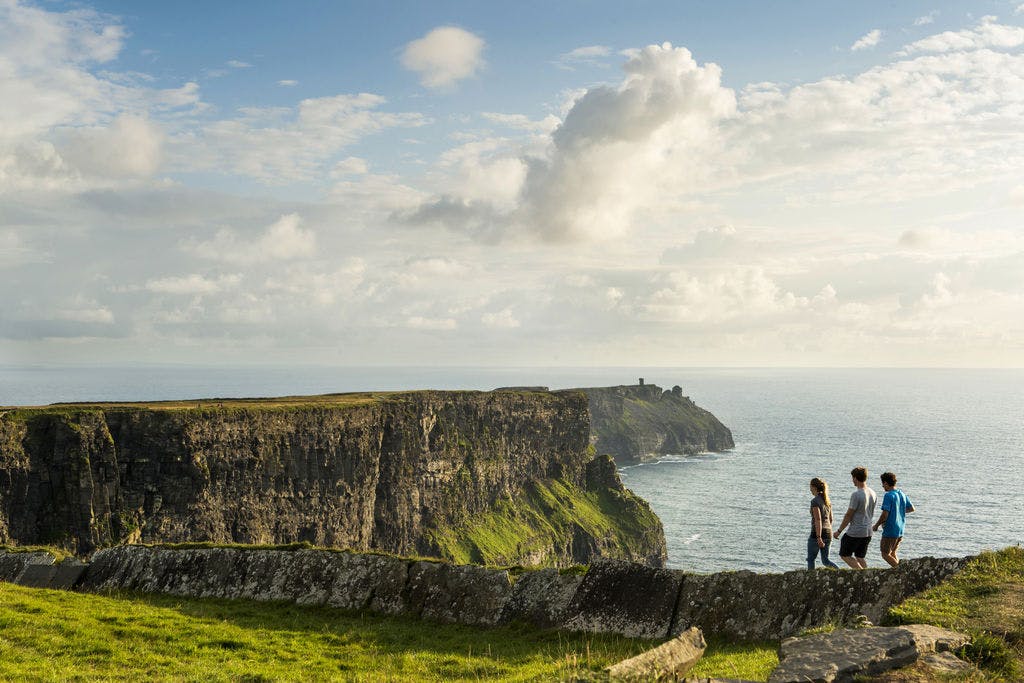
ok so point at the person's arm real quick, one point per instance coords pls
(881, 520)
(816, 523)
(910, 506)
(847, 518)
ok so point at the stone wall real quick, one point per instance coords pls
(610, 597)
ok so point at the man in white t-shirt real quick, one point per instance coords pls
(853, 547)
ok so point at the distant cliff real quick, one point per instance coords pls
(638, 422)
(490, 477)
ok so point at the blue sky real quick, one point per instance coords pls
(677, 183)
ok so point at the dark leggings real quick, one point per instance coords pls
(813, 550)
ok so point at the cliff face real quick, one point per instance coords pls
(398, 473)
(634, 423)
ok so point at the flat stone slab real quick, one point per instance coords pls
(945, 662)
(13, 564)
(843, 654)
(541, 597)
(37, 575)
(632, 600)
(450, 593)
(667, 662)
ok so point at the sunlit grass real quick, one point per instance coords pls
(60, 635)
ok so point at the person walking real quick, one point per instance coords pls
(895, 506)
(853, 547)
(821, 525)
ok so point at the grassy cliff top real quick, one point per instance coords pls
(340, 400)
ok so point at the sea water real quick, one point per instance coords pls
(954, 438)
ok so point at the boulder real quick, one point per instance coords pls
(541, 598)
(464, 594)
(12, 565)
(632, 600)
(667, 662)
(842, 655)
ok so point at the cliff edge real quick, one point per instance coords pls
(487, 477)
(640, 422)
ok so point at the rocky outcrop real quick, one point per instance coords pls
(610, 597)
(464, 475)
(843, 655)
(641, 422)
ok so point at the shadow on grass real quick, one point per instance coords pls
(388, 635)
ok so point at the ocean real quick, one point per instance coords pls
(954, 438)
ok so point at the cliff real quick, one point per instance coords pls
(490, 477)
(634, 423)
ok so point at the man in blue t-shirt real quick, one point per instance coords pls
(895, 507)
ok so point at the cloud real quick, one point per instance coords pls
(283, 144)
(238, 64)
(868, 40)
(503, 319)
(193, 284)
(287, 83)
(281, 241)
(129, 146)
(590, 55)
(926, 19)
(422, 323)
(444, 56)
(619, 146)
(988, 33)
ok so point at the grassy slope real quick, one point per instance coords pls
(544, 517)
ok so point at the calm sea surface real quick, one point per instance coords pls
(955, 439)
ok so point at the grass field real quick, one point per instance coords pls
(58, 635)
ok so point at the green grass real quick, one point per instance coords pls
(751, 661)
(545, 515)
(986, 599)
(53, 635)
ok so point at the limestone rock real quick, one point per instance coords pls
(772, 606)
(629, 599)
(945, 662)
(13, 564)
(464, 594)
(667, 662)
(843, 654)
(541, 598)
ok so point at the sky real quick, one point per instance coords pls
(501, 184)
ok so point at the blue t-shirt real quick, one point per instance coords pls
(896, 504)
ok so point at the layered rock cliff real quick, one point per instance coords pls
(496, 477)
(635, 423)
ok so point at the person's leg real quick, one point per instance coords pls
(861, 553)
(812, 551)
(889, 546)
(846, 551)
(824, 554)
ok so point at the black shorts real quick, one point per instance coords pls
(853, 545)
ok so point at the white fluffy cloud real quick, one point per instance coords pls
(283, 240)
(988, 33)
(444, 56)
(867, 41)
(618, 147)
